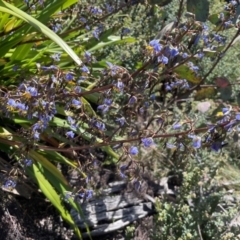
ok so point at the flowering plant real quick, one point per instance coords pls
(67, 93)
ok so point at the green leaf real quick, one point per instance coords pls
(184, 71)
(209, 92)
(8, 8)
(112, 40)
(200, 8)
(214, 18)
(36, 173)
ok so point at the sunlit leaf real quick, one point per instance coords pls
(215, 18)
(185, 72)
(209, 92)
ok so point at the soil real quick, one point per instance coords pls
(36, 219)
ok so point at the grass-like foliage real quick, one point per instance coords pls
(137, 80)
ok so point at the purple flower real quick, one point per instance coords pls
(70, 134)
(9, 184)
(114, 69)
(76, 103)
(147, 142)
(72, 122)
(177, 126)
(125, 31)
(216, 146)
(56, 57)
(171, 146)
(95, 10)
(132, 100)
(200, 55)
(99, 125)
(174, 52)
(156, 46)
(225, 110)
(28, 162)
(69, 77)
(227, 24)
(83, 20)
(77, 89)
(85, 69)
(163, 59)
(197, 142)
(123, 168)
(120, 86)
(218, 38)
(237, 116)
(32, 90)
(107, 101)
(11, 102)
(230, 124)
(184, 55)
(88, 56)
(89, 194)
(104, 108)
(21, 106)
(137, 185)
(133, 150)
(36, 135)
(121, 121)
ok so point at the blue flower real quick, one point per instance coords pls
(56, 57)
(200, 55)
(120, 86)
(156, 46)
(148, 142)
(96, 10)
(32, 90)
(77, 89)
(104, 108)
(83, 20)
(137, 185)
(98, 125)
(132, 100)
(174, 52)
(114, 69)
(125, 31)
(88, 56)
(163, 59)
(76, 103)
(69, 77)
(85, 69)
(11, 102)
(89, 194)
(28, 162)
(133, 150)
(184, 55)
(237, 116)
(70, 134)
(197, 142)
(171, 146)
(107, 101)
(123, 168)
(72, 122)
(177, 126)
(36, 135)
(9, 184)
(216, 146)
(121, 121)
